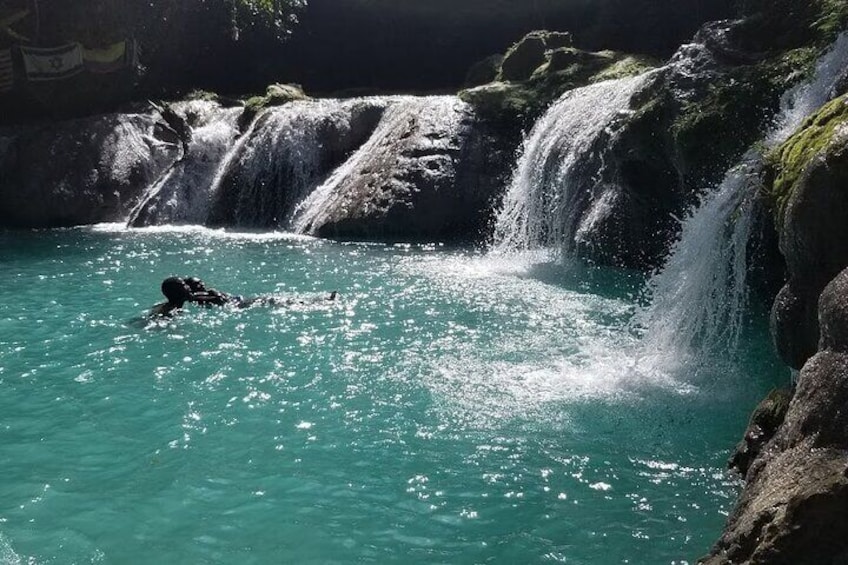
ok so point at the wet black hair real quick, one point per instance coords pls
(195, 284)
(174, 289)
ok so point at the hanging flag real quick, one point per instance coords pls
(7, 74)
(107, 60)
(52, 64)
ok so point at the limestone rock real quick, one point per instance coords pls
(427, 173)
(792, 510)
(82, 171)
(765, 421)
(811, 203)
(484, 72)
(833, 315)
(794, 326)
(523, 58)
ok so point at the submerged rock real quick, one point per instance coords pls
(82, 171)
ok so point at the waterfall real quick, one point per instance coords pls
(548, 195)
(286, 154)
(698, 300)
(413, 148)
(182, 195)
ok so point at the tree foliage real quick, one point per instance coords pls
(99, 21)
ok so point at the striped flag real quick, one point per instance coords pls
(52, 64)
(7, 74)
(107, 60)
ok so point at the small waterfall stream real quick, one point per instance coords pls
(699, 298)
(286, 154)
(548, 197)
(415, 146)
(183, 194)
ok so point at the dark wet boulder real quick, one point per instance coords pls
(82, 171)
(767, 418)
(808, 191)
(483, 72)
(429, 172)
(523, 58)
(793, 507)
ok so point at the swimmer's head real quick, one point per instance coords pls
(195, 284)
(176, 290)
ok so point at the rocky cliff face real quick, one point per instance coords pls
(82, 171)
(398, 168)
(430, 170)
(792, 508)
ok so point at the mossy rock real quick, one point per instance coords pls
(506, 103)
(734, 112)
(832, 19)
(793, 157)
(275, 95)
(766, 419)
(517, 104)
(566, 58)
(630, 65)
(202, 95)
(523, 58)
(484, 72)
(776, 25)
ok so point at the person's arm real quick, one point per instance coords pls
(210, 298)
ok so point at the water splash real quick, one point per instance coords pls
(699, 299)
(547, 196)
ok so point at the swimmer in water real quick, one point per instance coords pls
(208, 296)
(177, 292)
(205, 296)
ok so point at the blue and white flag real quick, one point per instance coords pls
(7, 72)
(52, 64)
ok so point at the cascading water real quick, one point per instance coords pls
(547, 198)
(415, 146)
(182, 195)
(698, 301)
(287, 152)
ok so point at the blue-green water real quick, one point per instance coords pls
(448, 408)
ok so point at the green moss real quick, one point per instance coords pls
(204, 95)
(275, 95)
(791, 159)
(833, 18)
(630, 65)
(517, 104)
(719, 126)
(771, 412)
